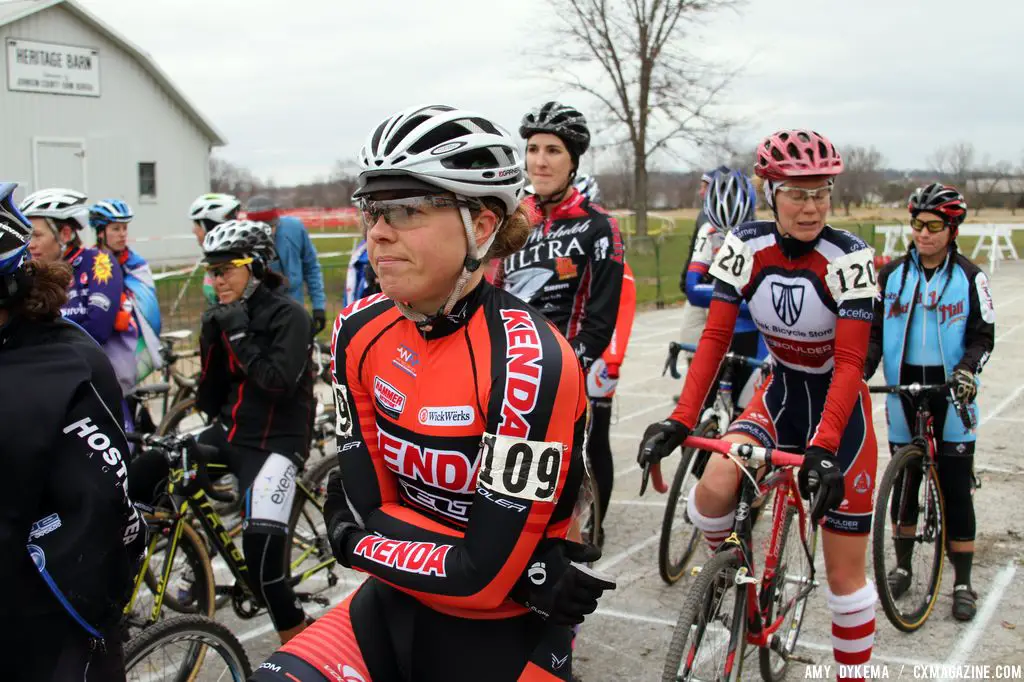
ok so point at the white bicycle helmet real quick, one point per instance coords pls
(216, 208)
(587, 185)
(441, 148)
(239, 238)
(58, 204)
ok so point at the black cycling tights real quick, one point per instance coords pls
(955, 481)
(381, 634)
(599, 449)
(267, 482)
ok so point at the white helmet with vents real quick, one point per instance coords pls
(58, 204)
(240, 237)
(444, 148)
(217, 208)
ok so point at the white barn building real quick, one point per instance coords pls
(84, 108)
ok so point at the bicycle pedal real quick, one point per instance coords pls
(743, 579)
(799, 658)
(695, 571)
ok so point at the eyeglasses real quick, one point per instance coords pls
(222, 269)
(407, 213)
(799, 195)
(933, 226)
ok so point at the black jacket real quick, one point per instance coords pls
(571, 270)
(260, 385)
(64, 458)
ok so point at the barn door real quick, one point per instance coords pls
(59, 163)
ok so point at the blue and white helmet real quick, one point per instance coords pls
(730, 200)
(56, 204)
(108, 211)
(15, 231)
(587, 185)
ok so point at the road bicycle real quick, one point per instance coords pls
(768, 608)
(679, 538)
(909, 506)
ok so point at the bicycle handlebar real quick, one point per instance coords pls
(178, 450)
(674, 348)
(915, 389)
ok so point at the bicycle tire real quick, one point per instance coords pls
(194, 547)
(671, 571)
(725, 563)
(765, 654)
(902, 460)
(197, 629)
(176, 414)
(315, 481)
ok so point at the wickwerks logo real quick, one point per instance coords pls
(458, 415)
(788, 300)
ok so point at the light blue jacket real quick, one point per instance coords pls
(296, 260)
(949, 319)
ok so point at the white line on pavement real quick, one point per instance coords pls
(645, 410)
(641, 503)
(964, 648)
(616, 559)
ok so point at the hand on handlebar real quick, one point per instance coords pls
(659, 440)
(821, 481)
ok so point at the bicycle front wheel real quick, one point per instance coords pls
(307, 527)
(710, 635)
(909, 531)
(679, 538)
(786, 595)
(166, 652)
(182, 417)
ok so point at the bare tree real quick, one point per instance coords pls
(655, 91)
(989, 180)
(862, 177)
(956, 162)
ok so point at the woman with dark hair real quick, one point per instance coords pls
(935, 323)
(64, 592)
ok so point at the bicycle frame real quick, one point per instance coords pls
(780, 481)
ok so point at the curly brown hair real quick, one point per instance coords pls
(47, 290)
(512, 234)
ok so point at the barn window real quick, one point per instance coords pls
(147, 179)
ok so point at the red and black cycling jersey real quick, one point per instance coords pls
(260, 384)
(812, 302)
(460, 447)
(571, 271)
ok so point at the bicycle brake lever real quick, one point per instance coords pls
(644, 477)
(672, 361)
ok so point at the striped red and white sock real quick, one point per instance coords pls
(853, 630)
(715, 529)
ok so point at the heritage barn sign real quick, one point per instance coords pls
(52, 68)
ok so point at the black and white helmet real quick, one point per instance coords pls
(58, 204)
(216, 208)
(587, 185)
(558, 119)
(441, 147)
(239, 238)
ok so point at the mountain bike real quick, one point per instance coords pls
(188, 501)
(909, 506)
(768, 609)
(167, 651)
(679, 538)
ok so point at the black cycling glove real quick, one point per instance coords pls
(659, 440)
(556, 584)
(831, 489)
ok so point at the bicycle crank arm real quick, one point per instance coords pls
(306, 598)
(743, 579)
(776, 646)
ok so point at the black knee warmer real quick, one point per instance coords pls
(955, 481)
(600, 450)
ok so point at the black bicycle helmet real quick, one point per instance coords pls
(561, 120)
(941, 200)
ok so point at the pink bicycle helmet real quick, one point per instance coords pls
(796, 153)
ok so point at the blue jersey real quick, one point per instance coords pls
(96, 302)
(355, 281)
(141, 290)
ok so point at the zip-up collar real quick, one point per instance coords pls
(569, 208)
(461, 313)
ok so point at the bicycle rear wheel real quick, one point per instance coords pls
(788, 591)
(183, 416)
(710, 635)
(307, 527)
(909, 504)
(679, 538)
(165, 652)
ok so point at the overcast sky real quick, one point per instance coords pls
(296, 85)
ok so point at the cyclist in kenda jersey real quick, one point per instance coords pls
(571, 267)
(809, 288)
(207, 212)
(257, 387)
(935, 322)
(70, 538)
(110, 218)
(461, 420)
(729, 201)
(97, 300)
